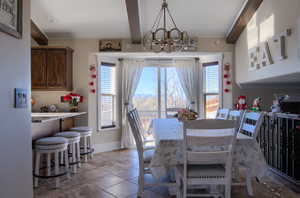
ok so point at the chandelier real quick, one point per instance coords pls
(164, 37)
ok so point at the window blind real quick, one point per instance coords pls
(108, 91)
(211, 79)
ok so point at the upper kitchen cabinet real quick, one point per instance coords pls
(51, 68)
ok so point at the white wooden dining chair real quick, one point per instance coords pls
(170, 112)
(148, 142)
(249, 128)
(250, 125)
(236, 115)
(144, 153)
(207, 157)
(222, 114)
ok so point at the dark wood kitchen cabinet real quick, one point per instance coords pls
(51, 68)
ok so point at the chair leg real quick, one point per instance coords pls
(78, 154)
(228, 190)
(66, 155)
(56, 168)
(37, 169)
(178, 184)
(48, 164)
(74, 158)
(249, 185)
(184, 189)
(141, 184)
(90, 146)
(85, 148)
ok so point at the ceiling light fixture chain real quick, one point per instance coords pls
(161, 38)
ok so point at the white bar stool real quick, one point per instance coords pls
(74, 148)
(50, 146)
(85, 133)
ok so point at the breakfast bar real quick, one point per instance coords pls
(46, 124)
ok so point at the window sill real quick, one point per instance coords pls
(109, 129)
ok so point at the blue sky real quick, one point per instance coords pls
(148, 82)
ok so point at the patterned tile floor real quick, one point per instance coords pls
(114, 175)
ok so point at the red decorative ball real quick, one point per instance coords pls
(226, 75)
(226, 90)
(94, 76)
(228, 82)
(93, 90)
(91, 83)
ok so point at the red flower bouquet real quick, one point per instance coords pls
(73, 99)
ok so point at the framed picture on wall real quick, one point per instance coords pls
(11, 17)
(112, 45)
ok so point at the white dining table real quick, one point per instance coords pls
(168, 134)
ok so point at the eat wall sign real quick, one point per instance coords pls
(260, 56)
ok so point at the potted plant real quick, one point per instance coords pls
(73, 99)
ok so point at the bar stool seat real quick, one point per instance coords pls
(82, 129)
(51, 141)
(86, 145)
(68, 134)
(73, 148)
(50, 146)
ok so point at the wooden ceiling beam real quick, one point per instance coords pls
(133, 12)
(243, 19)
(38, 35)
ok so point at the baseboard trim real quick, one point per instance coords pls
(105, 147)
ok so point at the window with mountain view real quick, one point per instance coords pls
(159, 88)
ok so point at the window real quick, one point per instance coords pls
(107, 96)
(159, 88)
(211, 82)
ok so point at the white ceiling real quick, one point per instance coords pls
(205, 18)
(108, 18)
(81, 18)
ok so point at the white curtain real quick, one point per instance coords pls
(131, 73)
(188, 73)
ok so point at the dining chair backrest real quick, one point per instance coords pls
(250, 124)
(170, 112)
(222, 114)
(236, 115)
(135, 128)
(139, 123)
(208, 141)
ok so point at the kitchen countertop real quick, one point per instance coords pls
(46, 117)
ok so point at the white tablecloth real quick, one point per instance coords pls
(168, 134)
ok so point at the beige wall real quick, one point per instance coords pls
(272, 18)
(15, 124)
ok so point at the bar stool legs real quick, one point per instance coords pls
(86, 144)
(37, 169)
(56, 169)
(78, 154)
(91, 155)
(73, 148)
(47, 147)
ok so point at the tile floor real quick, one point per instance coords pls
(114, 175)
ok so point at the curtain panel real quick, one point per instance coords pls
(131, 73)
(188, 73)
